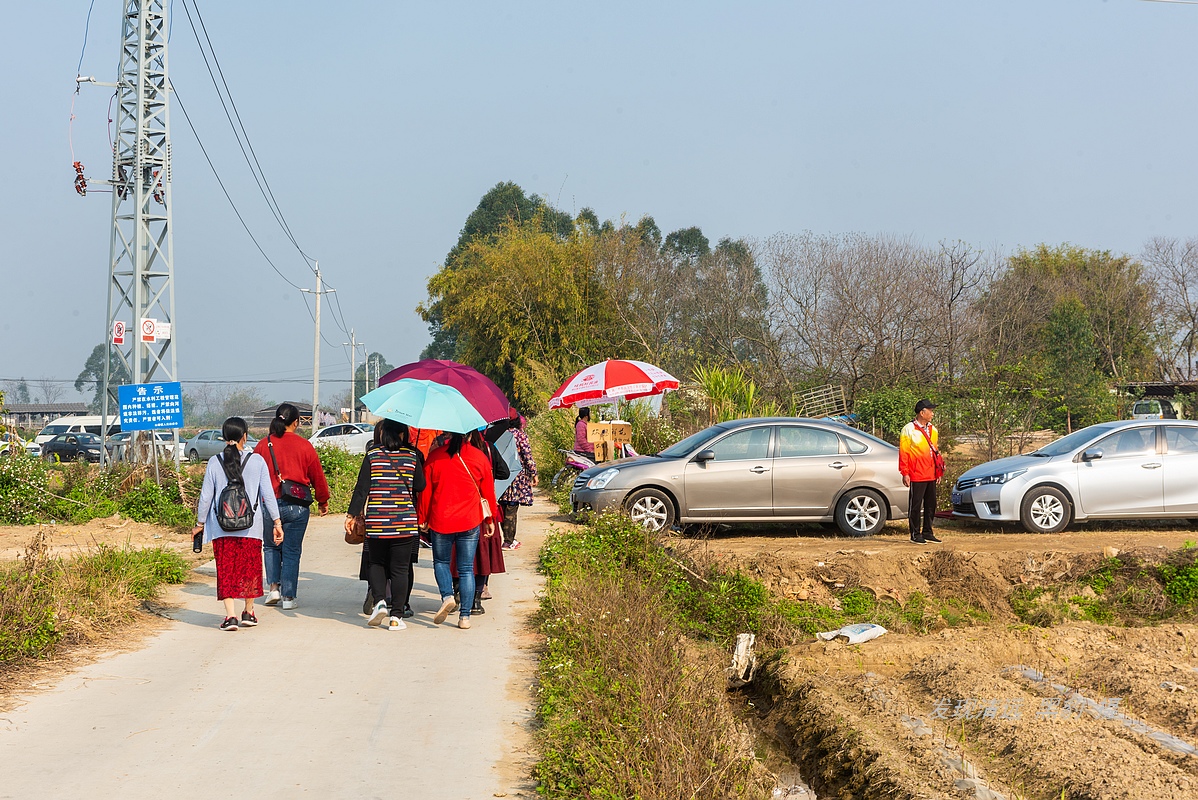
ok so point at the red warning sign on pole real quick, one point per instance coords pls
(118, 332)
(149, 330)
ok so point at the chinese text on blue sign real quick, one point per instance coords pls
(146, 406)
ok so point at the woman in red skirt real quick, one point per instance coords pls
(238, 552)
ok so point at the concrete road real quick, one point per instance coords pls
(311, 703)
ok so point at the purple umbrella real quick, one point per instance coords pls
(482, 393)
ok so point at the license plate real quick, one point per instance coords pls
(956, 498)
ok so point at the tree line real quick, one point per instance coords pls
(1033, 338)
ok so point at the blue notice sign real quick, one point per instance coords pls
(147, 406)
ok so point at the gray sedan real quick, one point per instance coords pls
(205, 444)
(755, 470)
(1131, 469)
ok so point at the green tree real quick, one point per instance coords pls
(1070, 355)
(92, 374)
(689, 243)
(20, 392)
(525, 297)
(503, 204)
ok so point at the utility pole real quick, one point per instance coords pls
(353, 374)
(141, 267)
(316, 346)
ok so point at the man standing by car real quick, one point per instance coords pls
(921, 467)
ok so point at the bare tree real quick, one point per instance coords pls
(48, 390)
(1173, 267)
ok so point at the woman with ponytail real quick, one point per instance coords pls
(298, 479)
(238, 553)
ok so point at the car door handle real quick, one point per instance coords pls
(759, 470)
(1152, 465)
(838, 465)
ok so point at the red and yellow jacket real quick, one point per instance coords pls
(915, 454)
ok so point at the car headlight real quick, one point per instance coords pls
(1001, 478)
(603, 478)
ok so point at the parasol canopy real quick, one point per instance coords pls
(610, 380)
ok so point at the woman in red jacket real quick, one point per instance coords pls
(290, 457)
(456, 507)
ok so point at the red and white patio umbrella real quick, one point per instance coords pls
(610, 380)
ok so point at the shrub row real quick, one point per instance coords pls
(46, 600)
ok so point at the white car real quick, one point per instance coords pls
(118, 442)
(350, 436)
(11, 444)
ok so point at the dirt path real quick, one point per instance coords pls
(311, 702)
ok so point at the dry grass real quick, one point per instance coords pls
(47, 601)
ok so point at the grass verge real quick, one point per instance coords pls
(46, 602)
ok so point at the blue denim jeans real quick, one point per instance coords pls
(467, 543)
(282, 561)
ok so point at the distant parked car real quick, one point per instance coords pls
(72, 447)
(351, 436)
(1130, 469)
(11, 444)
(118, 443)
(1154, 408)
(205, 444)
(755, 470)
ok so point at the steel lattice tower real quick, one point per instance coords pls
(141, 260)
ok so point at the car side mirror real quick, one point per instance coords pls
(704, 456)
(1093, 454)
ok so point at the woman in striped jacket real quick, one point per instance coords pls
(390, 478)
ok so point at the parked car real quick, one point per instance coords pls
(205, 444)
(11, 444)
(118, 444)
(351, 436)
(91, 424)
(1130, 469)
(1154, 408)
(755, 470)
(72, 447)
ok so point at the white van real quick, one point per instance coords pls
(1154, 408)
(76, 425)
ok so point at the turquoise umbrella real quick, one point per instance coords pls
(424, 404)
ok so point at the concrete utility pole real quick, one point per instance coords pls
(316, 346)
(141, 267)
(353, 374)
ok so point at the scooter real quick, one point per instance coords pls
(576, 462)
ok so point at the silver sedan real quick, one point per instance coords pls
(755, 470)
(1131, 469)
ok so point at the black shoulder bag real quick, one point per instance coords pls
(294, 492)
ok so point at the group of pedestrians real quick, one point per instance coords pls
(404, 496)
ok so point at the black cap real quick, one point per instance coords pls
(922, 404)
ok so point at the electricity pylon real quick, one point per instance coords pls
(141, 268)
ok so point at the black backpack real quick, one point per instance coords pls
(234, 511)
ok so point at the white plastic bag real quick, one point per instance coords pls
(856, 634)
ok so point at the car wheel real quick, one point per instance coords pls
(860, 512)
(652, 509)
(193, 456)
(81, 458)
(1045, 510)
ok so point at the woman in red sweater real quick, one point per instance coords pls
(290, 457)
(458, 483)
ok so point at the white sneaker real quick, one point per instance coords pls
(289, 603)
(273, 597)
(396, 624)
(378, 615)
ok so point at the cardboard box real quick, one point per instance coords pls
(615, 433)
(603, 452)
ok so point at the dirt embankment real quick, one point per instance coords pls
(68, 539)
(994, 710)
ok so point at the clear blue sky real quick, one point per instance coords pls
(380, 124)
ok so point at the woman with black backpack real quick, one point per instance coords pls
(236, 489)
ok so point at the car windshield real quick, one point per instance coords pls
(1068, 444)
(53, 430)
(687, 445)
